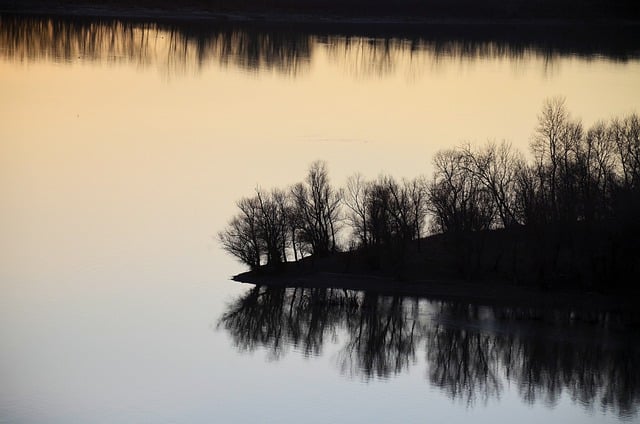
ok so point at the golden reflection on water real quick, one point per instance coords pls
(102, 108)
(310, 95)
(110, 110)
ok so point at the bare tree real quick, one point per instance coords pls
(241, 238)
(457, 200)
(355, 199)
(400, 211)
(378, 205)
(418, 197)
(546, 142)
(625, 134)
(528, 193)
(259, 230)
(317, 205)
(495, 167)
(273, 228)
(595, 170)
(554, 145)
(407, 207)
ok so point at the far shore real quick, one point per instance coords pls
(476, 292)
(289, 17)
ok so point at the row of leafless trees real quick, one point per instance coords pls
(580, 174)
(577, 175)
(303, 219)
(577, 178)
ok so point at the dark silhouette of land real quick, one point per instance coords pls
(499, 274)
(504, 228)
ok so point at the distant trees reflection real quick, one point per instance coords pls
(173, 49)
(289, 49)
(471, 352)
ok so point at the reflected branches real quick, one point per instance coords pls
(30, 39)
(463, 363)
(472, 352)
(363, 50)
(173, 49)
(277, 319)
(382, 337)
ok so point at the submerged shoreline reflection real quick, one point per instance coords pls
(472, 352)
(177, 48)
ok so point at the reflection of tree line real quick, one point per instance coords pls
(170, 47)
(289, 49)
(469, 356)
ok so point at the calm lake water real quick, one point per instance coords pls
(123, 147)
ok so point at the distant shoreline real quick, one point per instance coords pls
(291, 17)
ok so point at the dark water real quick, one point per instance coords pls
(123, 148)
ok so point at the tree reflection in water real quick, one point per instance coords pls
(382, 335)
(472, 352)
(365, 50)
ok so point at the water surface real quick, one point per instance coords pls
(123, 147)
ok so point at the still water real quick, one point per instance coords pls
(123, 147)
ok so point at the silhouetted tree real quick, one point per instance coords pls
(495, 167)
(417, 191)
(555, 144)
(528, 195)
(273, 226)
(317, 206)
(378, 205)
(594, 172)
(259, 230)
(457, 200)
(400, 211)
(570, 214)
(390, 213)
(356, 199)
(625, 134)
(241, 238)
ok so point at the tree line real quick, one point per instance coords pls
(580, 186)
(491, 9)
(289, 48)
